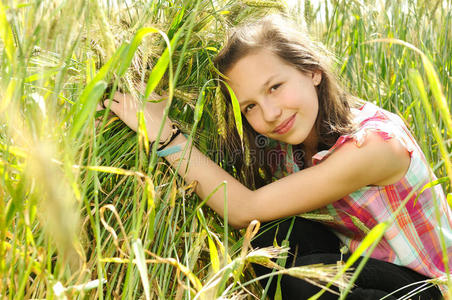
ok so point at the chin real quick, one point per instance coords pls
(295, 139)
(291, 140)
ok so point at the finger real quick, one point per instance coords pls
(107, 103)
(124, 105)
(100, 106)
(113, 103)
(118, 96)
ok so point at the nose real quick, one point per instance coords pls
(270, 110)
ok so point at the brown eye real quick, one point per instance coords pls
(248, 108)
(275, 87)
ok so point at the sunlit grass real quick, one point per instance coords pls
(89, 211)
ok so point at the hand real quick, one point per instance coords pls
(126, 108)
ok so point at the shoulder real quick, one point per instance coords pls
(375, 160)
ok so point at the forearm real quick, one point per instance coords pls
(194, 166)
(209, 176)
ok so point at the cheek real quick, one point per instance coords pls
(291, 98)
(256, 122)
(305, 100)
(314, 101)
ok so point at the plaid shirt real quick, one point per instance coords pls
(413, 239)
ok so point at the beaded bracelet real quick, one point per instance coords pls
(170, 150)
(176, 131)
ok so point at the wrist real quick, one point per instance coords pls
(174, 147)
(175, 132)
(173, 144)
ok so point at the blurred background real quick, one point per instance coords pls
(86, 208)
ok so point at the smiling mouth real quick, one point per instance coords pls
(285, 126)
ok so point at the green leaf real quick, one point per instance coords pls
(228, 271)
(140, 261)
(416, 84)
(6, 35)
(358, 223)
(128, 54)
(157, 73)
(236, 110)
(142, 131)
(431, 184)
(162, 64)
(201, 218)
(87, 103)
(281, 262)
(176, 22)
(214, 259)
(90, 96)
(199, 108)
(438, 95)
(160, 67)
(372, 237)
(113, 170)
(42, 75)
(16, 203)
(150, 196)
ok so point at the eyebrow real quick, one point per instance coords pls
(264, 86)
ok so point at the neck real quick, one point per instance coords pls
(311, 143)
(310, 147)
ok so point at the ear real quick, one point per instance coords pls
(316, 77)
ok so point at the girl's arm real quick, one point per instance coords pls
(376, 162)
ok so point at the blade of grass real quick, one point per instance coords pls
(92, 93)
(6, 35)
(236, 110)
(140, 261)
(417, 84)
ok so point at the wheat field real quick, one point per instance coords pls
(88, 211)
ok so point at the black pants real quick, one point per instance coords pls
(313, 243)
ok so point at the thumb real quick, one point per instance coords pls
(113, 102)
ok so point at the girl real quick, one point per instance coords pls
(350, 160)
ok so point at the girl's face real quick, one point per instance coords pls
(277, 99)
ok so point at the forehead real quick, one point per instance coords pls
(252, 71)
(260, 60)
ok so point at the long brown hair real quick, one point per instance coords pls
(294, 47)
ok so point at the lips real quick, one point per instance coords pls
(285, 126)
